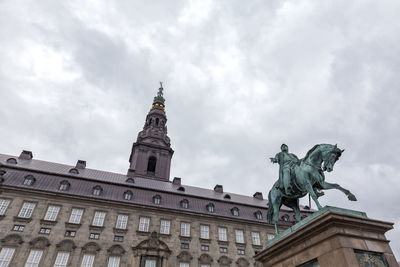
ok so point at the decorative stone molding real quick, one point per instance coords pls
(91, 247)
(66, 245)
(205, 259)
(21, 219)
(72, 225)
(40, 243)
(224, 260)
(242, 262)
(47, 222)
(116, 250)
(185, 256)
(12, 240)
(152, 246)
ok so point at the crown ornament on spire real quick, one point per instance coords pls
(159, 98)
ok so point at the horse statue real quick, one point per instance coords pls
(301, 177)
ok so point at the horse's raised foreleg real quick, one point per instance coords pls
(311, 191)
(326, 186)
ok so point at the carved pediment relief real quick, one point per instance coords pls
(12, 240)
(66, 245)
(224, 260)
(242, 262)
(40, 243)
(91, 247)
(116, 250)
(185, 256)
(205, 259)
(152, 245)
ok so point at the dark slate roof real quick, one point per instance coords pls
(49, 175)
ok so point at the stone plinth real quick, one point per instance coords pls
(331, 237)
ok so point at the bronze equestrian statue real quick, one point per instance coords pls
(298, 178)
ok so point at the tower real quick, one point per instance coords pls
(151, 153)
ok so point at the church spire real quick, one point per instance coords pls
(151, 153)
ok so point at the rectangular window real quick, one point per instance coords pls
(45, 231)
(98, 219)
(255, 236)
(52, 212)
(240, 251)
(76, 215)
(185, 245)
(150, 263)
(204, 231)
(18, 228)
(87, 260)
(62, 259)
(94, 236)
(70, 233)
(144, 224)
(27, 210)
(223, 250)
(222, 236)
(122, 221)
(205, 265)
(270, 237)
(239, 236)
(184, 264)
(118, 238)
(165, 227)
(185, 229)
(205, 248)
(113, 262)
(3, 206)
(6, 255)
(34, 258)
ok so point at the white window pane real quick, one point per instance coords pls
(185, 229)
(6, 256)
(87, 260)
(239, 236)
(183, 264)
(204, 231)
(205, 265)
(62, 259)
(34, 258)
(165, 227)
(150, 263)
(113, 262)
(27, 210)
(256, 238)
(52, 212)
(122, 221)
(98, 218)
(76, 215)
(222, 234)
(3, 206)
(144, 224)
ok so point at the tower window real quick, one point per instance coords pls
(157, 121)
(151, 165)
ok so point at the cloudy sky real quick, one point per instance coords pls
(77, 80)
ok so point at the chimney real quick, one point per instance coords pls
(176, 181)
(219, 188)
(80, 164)
(25, 154)
(258, 195)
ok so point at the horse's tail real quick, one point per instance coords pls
(270, 213)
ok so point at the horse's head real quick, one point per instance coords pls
(329, 156)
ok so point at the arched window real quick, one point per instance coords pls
(130, 180)
(128, 195)
(185, 204)
(157, 121)
(29, 180)
(12, 161)
(235, 211)
(74, 171)
(97, 190)
(64, 185)
(258, 215)
(210, 207)
(151, 165)
(157, 199)
(150, 121)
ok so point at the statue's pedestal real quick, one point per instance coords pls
(331, 237)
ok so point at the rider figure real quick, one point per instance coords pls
(286, 161)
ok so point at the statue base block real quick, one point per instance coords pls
(331, 237)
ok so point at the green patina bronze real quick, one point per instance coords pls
(298, 178)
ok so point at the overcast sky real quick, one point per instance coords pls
(241, 77)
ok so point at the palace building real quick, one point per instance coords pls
(59, 215)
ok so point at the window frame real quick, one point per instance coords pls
(4, 203)
(75, 215)
(224, 234)
(97, 219)
(242, 236)
(204, 234)
(185, 229)
(165, 226)
(123, 223)
(51, 213)
(63, 262)
(144, 224)
(6, 257)
(28, 210)
(255, 236)
(34, 259)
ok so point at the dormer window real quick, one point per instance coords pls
(185, 204)
(285, 218)
(227, 196)
(181, 188)
(74, 171)
(128, 195)
(130, 180)
(12, 161)
(157, 199)
(258, 215)
(64, 185)
(235, 211)
(210, 207)
(29, 180)
(97, 190)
